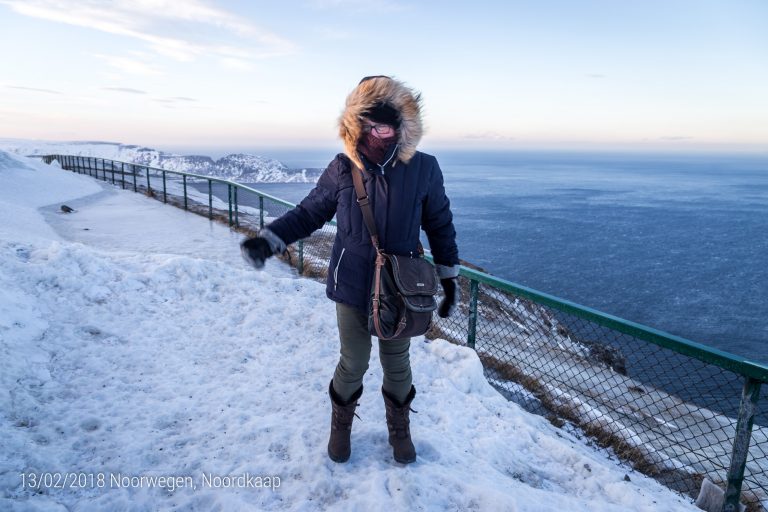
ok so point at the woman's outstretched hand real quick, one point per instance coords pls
(255, 251)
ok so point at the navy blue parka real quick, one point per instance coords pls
(405, 197)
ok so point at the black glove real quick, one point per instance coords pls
(448, 304)
(255, 250)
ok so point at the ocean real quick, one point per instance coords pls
(675, 242)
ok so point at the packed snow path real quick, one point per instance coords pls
(136, 343)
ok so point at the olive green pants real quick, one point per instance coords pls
(356, 352)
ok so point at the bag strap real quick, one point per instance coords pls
(365, 205)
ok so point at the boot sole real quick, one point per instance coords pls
(405, 461)
(337, 459)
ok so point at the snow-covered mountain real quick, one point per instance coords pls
(239, 167)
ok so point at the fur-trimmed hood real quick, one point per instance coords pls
(385, 90)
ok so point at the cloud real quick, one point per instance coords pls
(129, 65)
(360, 6)
(595, 75)
(494, 136)
(236, 64)
(124, 89)
(184, 31)
(174, 100)
(33, 89)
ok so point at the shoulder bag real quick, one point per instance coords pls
(403, 288)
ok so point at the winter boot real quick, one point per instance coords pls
(399, 431)
(341, 424)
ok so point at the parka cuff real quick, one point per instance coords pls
(275, 242)
(445, 272)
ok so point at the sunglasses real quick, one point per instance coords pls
(381, 129)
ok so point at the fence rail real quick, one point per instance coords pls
(677, 410)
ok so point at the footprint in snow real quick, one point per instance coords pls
(90, 424)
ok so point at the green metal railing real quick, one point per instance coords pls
(674, 409)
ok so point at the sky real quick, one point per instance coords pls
(549, 74)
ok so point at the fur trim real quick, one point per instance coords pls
(365, 96)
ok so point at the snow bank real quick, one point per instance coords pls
(136, 344)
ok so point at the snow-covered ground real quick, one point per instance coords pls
(135, 344)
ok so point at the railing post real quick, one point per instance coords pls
(229, 198)
(210, 199)
(749, 397)
(135, 188)
(149, 186)
(237, 214)
(261, 212)
(122, 175)
(184, 179)
(301, 256)
(474, 287)
(165, 191)
(112, 168)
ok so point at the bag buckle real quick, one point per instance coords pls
(363, 201)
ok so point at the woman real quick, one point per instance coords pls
(381, 127)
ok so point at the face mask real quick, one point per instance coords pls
(374, 148)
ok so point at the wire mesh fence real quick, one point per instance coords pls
(668, 415)
(669, 408)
